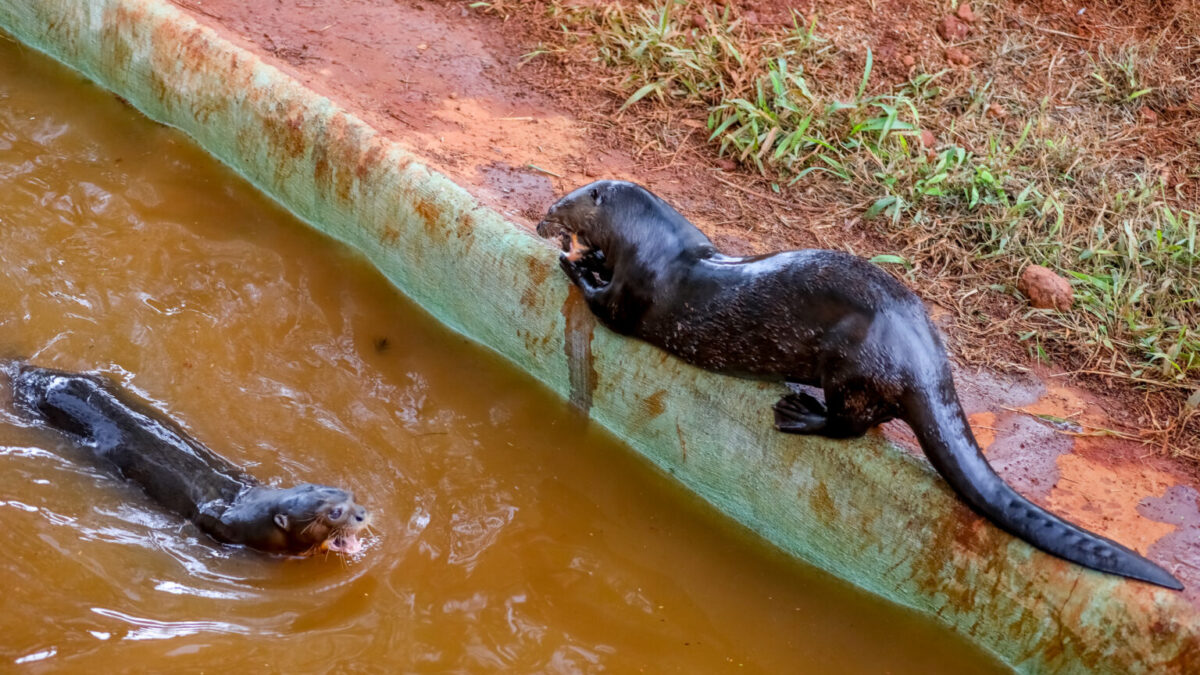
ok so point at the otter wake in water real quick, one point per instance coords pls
(813, 317)
(186, 477)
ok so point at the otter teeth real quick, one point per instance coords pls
(344, 543)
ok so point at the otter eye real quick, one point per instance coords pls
(336, 513)
(595, 194)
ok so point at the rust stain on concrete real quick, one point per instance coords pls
(581, 368)
(654, 404)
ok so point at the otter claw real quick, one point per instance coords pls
(799, 413)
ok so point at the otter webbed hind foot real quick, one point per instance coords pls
(799, 413)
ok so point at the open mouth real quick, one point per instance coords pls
(574, 247)
(346, 543)
(578, 250)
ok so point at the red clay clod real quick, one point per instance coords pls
(1045, 289)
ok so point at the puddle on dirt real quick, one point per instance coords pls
(510, 535)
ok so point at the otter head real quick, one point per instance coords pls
(583, 218)
(308, 519)
(608, 219)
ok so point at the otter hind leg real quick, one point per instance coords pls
(855, 407)
(799, 413)
(848, 412)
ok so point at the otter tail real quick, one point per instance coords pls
(941, 427)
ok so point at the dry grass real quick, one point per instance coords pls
(1084, 158)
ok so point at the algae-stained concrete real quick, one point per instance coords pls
(862, 510)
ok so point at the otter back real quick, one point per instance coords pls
(150, 451)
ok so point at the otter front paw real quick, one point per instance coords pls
(576, 272)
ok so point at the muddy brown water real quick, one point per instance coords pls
(510, 534)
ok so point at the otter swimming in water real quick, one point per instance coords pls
(811, 317)
(186, 477)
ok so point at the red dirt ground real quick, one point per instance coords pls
(448, 83)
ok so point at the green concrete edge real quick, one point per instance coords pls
(864, 510)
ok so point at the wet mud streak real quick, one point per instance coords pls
(1025, 452)
(580, 325)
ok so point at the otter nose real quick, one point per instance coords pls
(549, 224)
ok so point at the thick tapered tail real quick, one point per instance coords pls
(941, 427)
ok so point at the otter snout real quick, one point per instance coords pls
(346, 521)
(360, 516)
(354, 516)
(551, 225)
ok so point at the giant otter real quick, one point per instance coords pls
(186, 477)
(813, 317)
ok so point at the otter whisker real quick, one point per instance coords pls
(307, 528)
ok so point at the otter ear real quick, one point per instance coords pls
(281, 520)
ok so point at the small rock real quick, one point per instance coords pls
(964, 12)
(1045, 289)
(908, 61)
(996, 110)
(1149, 115)
(957, 56)
(698, 21)
(927, 138)
(726, 164)
(952, 28)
